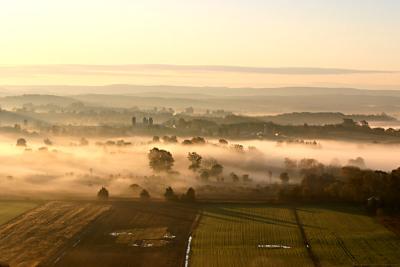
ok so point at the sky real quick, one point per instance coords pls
(339, 34)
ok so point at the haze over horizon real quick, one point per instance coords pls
(201, 43)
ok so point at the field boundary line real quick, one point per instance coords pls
(345, 249)
(306, 242)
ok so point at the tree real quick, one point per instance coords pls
(222, 142)
(357, 162)
(189, 110)
(187, 142)
(216, 170)
(198, 140)
(364, 123)
(348, 122)
(169, 139)
(290, 165)
(84, 142)
(204, 175)
(145, 121)
(144, 195)
(270, 176)
(133, 121)
(190, 195)
(21, 142)
(102, 194)
(150, 121)
(284, 177)
(160, 160)
(246, 178)
(156, 139)
(234, 177)
(48, 142)
(238, 148)
(195, 160)
(170, 194)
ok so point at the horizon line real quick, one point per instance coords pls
(121, 69)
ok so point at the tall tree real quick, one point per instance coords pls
(195, 160)
(160, 160)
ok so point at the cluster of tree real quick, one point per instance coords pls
(146, 121)
(166, 139)
(194, 141)
(347, 183)
(255, 128)
(189, 196)
(120, 142)
(211, 169)
(170, 139)
(236, 178)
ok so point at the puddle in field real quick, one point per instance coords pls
(273, 246)
(144, 237)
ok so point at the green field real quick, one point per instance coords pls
(229, 235)
(11, 209)
(345, 236)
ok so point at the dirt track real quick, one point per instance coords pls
(39, 233)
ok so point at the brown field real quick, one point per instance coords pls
(36, 235)
(133, 233)
(391, 222)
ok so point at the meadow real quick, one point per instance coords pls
(11, 209)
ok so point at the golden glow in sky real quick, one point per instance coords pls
(358, 34)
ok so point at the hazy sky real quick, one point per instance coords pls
(356, 34)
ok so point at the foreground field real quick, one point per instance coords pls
(11, 209)
(345, 236)
(134, 234)
(272, 235)
(248, 235)
(39, 233)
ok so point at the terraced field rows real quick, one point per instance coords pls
(344, 236)
(229, 235)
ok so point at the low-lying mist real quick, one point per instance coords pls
(68, 169)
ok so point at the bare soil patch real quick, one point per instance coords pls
(134, 233)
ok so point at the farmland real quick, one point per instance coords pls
(345, 236)
(11, 209)
(134, 234)
(40, 232)
(155, 233)
(229, 235)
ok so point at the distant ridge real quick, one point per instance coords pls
(192, 91)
